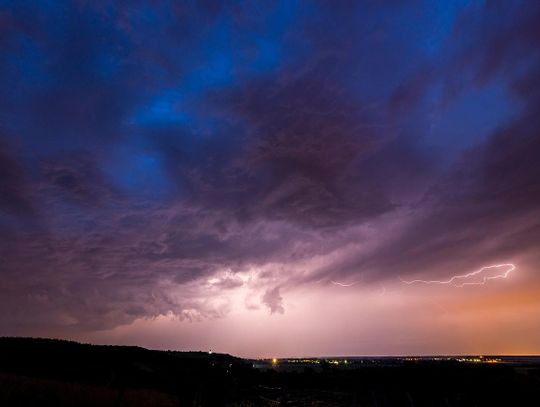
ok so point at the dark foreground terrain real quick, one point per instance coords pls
(43, 372)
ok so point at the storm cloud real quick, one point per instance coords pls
(162, 158)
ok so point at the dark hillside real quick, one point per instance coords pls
(120, 369)
(36, 372)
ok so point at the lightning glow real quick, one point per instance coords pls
(455, 280)
(342, 284)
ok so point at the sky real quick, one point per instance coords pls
(272, 179)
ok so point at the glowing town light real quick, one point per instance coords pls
(458, 281)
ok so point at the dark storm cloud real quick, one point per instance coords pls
(76, 177)
(65, 75)
(296, 157)
(171, 153)
(14, 187)
(483, 210)
(498, 44)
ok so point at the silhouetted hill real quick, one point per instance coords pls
(42, 372)
(182, 375)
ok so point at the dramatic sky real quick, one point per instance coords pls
(272, 178)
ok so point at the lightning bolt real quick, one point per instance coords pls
(342, 284)
(457, 281)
